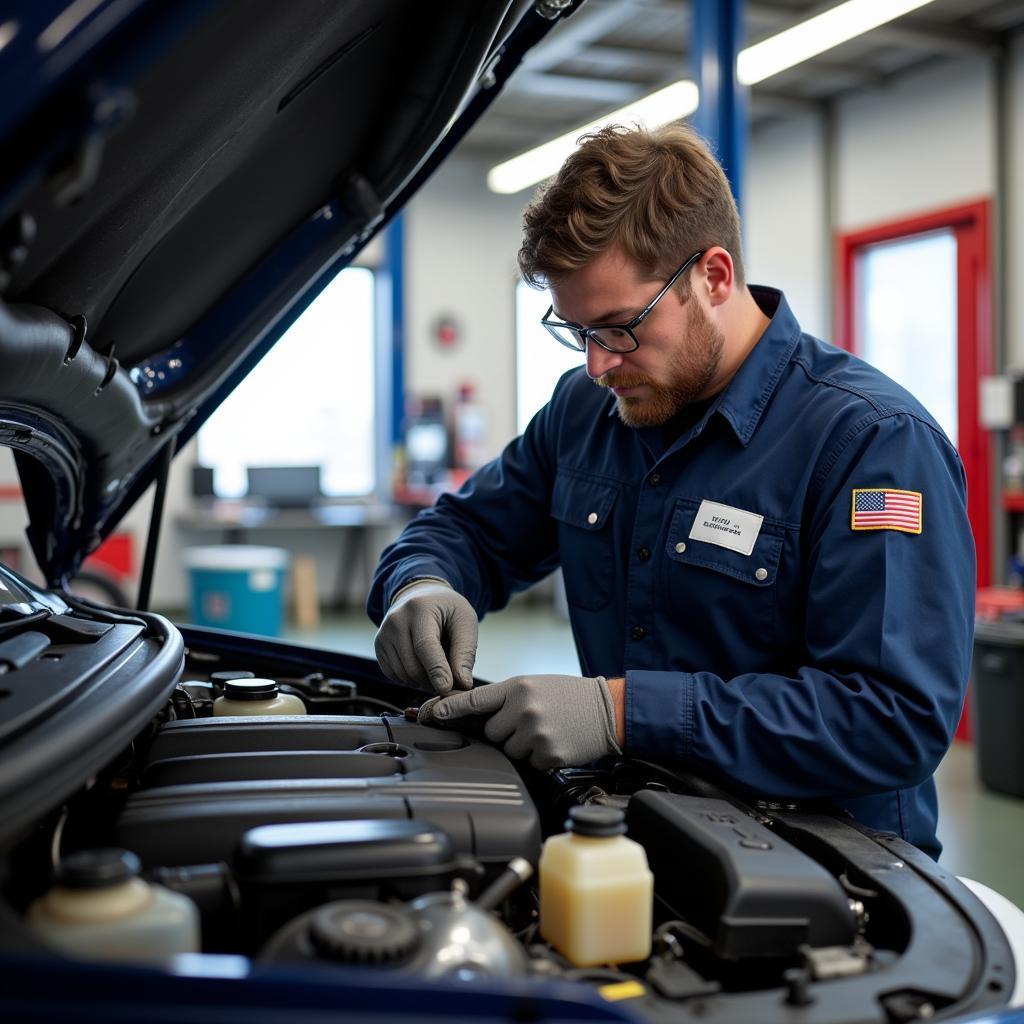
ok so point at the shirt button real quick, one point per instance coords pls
(654, 479)
(761, 574)
(643, 554)
(638, 632)
(592, 518)
(680, 548)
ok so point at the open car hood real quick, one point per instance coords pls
(178, 182)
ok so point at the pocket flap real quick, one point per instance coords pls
(760, 568)
(583, 502)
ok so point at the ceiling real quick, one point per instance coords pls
(611, 52)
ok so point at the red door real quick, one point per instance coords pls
(968, 226)
(935, 265)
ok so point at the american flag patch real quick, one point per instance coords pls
(876, 508)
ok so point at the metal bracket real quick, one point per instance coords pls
(552, 9)
(79, 327)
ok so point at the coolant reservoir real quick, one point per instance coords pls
(596, 890)
(101, 910)
(256, 697)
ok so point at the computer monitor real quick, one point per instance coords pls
(426, 450)
(202, 482)
(284, 486)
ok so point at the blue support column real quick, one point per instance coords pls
(394, 241)
(722, 115)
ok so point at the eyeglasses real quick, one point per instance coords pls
(611, 337)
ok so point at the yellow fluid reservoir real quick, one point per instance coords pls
(596, 890)
(256, 697)
(101, 910)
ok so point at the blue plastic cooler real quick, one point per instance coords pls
(238, 587)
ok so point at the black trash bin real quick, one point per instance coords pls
(998, 705)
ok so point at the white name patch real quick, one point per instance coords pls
(726, 526)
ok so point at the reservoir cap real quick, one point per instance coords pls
(363, 931)
(97, 869)
(597, 821)
(250, 689)
(222, 677)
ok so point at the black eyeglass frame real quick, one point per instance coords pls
(587, 333)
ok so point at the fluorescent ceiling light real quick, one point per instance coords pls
(754, 64)
(672, 103)
(816, 35)
(65, 23)
(8, 30)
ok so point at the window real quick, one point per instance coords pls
(309, 401)
(908, 317)
(540, 360)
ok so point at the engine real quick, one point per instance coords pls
(354, 836)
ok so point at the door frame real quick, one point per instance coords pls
(970, 223)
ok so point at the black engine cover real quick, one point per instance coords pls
(208, 781)
(751, 892)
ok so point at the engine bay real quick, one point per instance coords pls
(354, 836)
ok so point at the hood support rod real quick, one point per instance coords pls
(155, 519)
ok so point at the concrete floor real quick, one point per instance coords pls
(982, 831)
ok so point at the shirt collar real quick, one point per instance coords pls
(747, 394)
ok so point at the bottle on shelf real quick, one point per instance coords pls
(1013, 461)
(469, 429)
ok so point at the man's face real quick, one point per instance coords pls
(680, 346)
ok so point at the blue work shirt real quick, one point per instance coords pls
(828, 662)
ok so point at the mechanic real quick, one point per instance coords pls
(768, 563)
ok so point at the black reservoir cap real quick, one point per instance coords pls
(597, 821)
(250, 689)
(224, 676)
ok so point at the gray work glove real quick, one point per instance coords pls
(555, 721)
(428, 638)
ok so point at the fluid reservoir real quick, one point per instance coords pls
(256, 697)
(100, 909)
(596, 890)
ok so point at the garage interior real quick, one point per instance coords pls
(908, 135)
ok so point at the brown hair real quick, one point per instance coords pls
(658, 194)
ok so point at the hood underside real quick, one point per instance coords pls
(178, 182)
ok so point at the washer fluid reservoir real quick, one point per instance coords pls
(596, 890)
(101, 910)
(256, 697)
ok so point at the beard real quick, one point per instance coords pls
(690, 370)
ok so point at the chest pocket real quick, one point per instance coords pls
(583, 507)
(725, 584)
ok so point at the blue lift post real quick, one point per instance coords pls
(722, 115)
(394, 246)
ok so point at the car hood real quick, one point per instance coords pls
(178, 182)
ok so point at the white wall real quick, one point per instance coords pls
(924, 141)
(461, 244)
(785, 238)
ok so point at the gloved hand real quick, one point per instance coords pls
(555, 721)
(428, 638)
